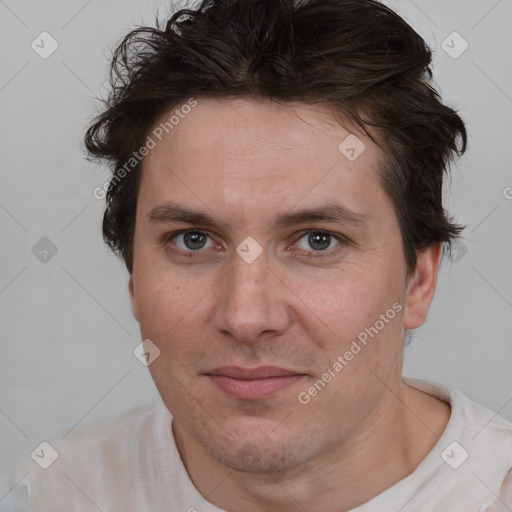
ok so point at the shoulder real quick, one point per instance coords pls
(475, 450)
(487, 438)
(89, 461)
(476, 420)
(107, 442)
(504, 502)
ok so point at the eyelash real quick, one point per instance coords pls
(342, 240)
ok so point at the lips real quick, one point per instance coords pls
(263, 372)
(252, 383)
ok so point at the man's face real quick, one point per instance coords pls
(297, 306)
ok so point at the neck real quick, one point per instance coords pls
(381, 451)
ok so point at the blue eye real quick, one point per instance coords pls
(320, 241)
(193, 240)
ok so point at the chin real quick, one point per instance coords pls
(260, 454)
(250, 458)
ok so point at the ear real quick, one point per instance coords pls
(422, 286)
(133, 299)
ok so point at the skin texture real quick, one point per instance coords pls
(295, 306)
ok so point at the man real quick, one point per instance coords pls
(277, 200)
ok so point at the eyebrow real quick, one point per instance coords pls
(331, 212)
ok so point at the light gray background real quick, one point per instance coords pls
(67, 329)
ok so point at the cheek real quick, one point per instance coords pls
(174, 315)
(350, 301)
(168, 299)
(340, 302)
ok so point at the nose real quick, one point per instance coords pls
(251, 300)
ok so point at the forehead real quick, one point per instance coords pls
(242, 126)
(232, 150)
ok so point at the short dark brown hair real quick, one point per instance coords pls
(357, 56)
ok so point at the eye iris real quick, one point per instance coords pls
(193, 239)
(314, 237)
(196, 240)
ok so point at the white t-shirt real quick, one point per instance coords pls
(131, 463)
